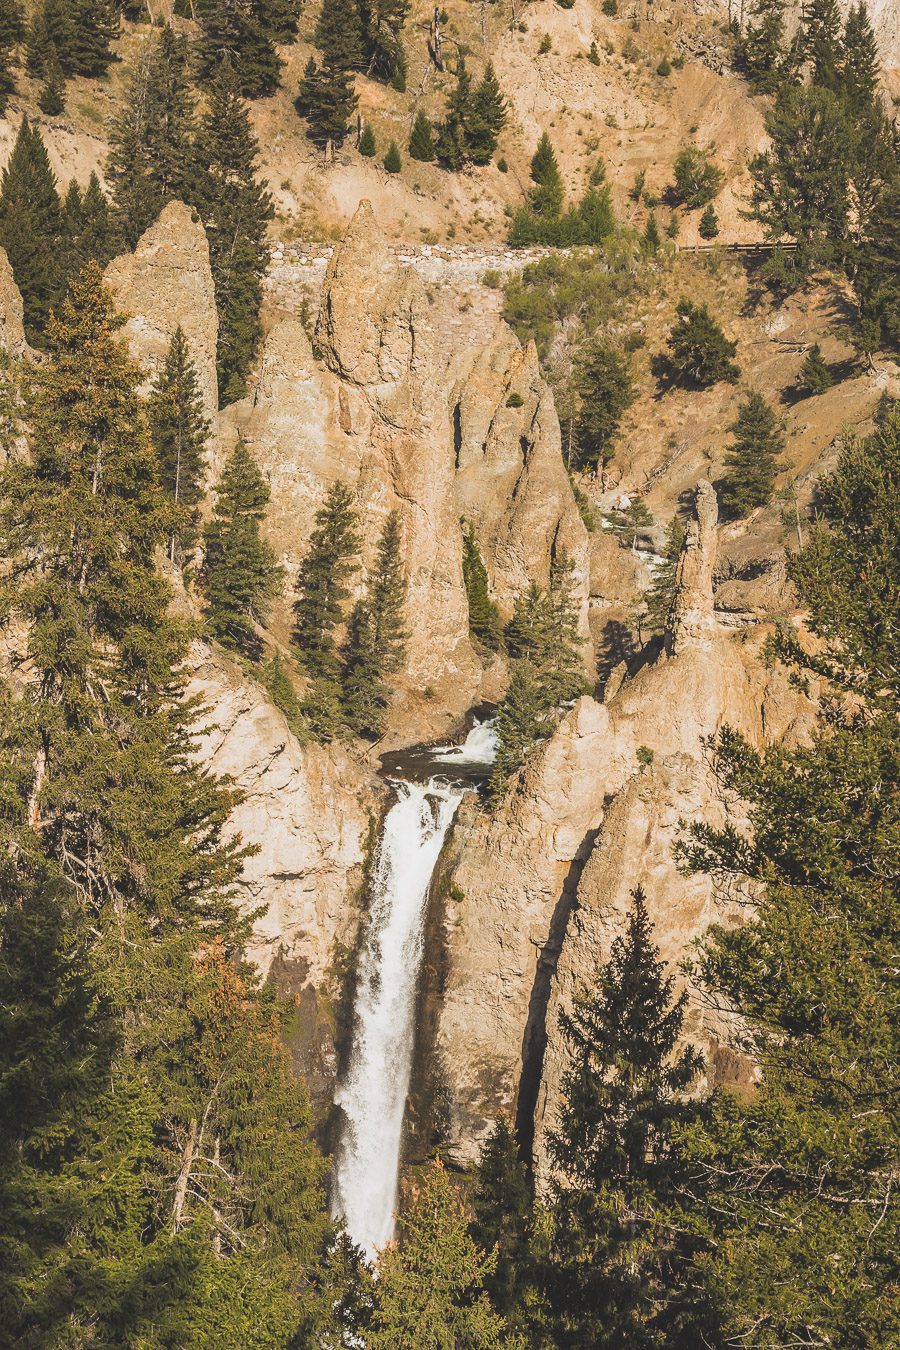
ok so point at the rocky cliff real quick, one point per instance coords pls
(542, 884)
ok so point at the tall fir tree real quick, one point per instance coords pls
(523, 721)
(156, 1172)
(82, 32)
(486, 117)
(546, 197)
(376, 642)
(339, 35)
(700, 355)
(791, 1185)
(761, 46)
(30, 225)
(485, 623)
(322, 583)
(327, 99)
(151, 142)
(820, 42)
(52, 98)
(662, 588)
(421, 141)
(752, 463)
(12, 32)
(239, 34)
(606, 390)
(236, 209)
(87, 233)
(241, 575)
(616, 1259)
(860, 67)
(501, 1223)
(383, 22)
(450, 145)
(179, 430)
(877, 279)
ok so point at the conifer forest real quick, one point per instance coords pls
(449, 675)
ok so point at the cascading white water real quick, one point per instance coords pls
(479, 747)
(372, 1096)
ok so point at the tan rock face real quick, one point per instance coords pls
(546, 879)
(12, 329)
(166, 282)
(306, 807)
(415, 428)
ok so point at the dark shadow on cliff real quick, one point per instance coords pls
(534, 1041)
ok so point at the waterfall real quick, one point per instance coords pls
(373, 1094)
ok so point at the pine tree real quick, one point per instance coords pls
(820, 42)
(546, 196)
(523, 720)
(376, 642)
(383, 23)
(51, 99)
(614, 1273)
(700, 355)
(392, 162)
(630, 522)
(860, 68)
(367, 145)
(605, 389)
(562, 670)
(280, 18)
(151, 156)
(37, 43)
(761, 46)
(236, 33)
(501, 1205)
(327, 99)
(485, 118)
(751, 464)
(339, 35)
(81, 31)
(179, 430)
(241, 575)
(30, 222)
(662, 588)
(814, 376)
(12, 31)
(651, 240)
(86, 233)
(709, 223)
(322, 579)
(236, 210)
(484, 617)
(451, 147)
(696, 179)
(421, 142)
(150, 1123)
(430, 1288)
(877, 279)
(801, 184)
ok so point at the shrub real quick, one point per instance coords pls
(546, 45)
(502, 165)
(700, 355)
(610, 8)
(392, 162)
(367, 144)
(664, 68)
(697, 180)
(814, 376)
(709, 223)
(515, 401)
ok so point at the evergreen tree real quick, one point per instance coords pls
(430, 1288)
(614, 1268)
(709, 223)
(761, 46)
(699, 353)
(485, 118)
(860, 67)
(801, 183)
(561, 666)
(814, 376)
(51, 99)
(485, 624)
(179, 430)
(652, 239)
(339, 35)
(662, 588)
(421, 142)
(236, 210)
(630, 522)
(376, 641)
(877, 279)
(37, 43)
(327, 99)
(451, 147)
(237, 33)
(81, 31)
(367, 145)
(751, 464)
(30, 222)
(322, 579)
(383, 22)
(605, 389)
(280, 18)
(546, 196)
(151, 156)
(501, 1205)
(392, 162)
(820, 41)
(696, 180)
(86, 233)
(523, 720)
(12, 31)
(146, 1174)
(241, 575)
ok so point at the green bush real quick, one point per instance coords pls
(392, 162)
(664, 68)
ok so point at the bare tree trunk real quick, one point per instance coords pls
(184, 1176)
(437, 55)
